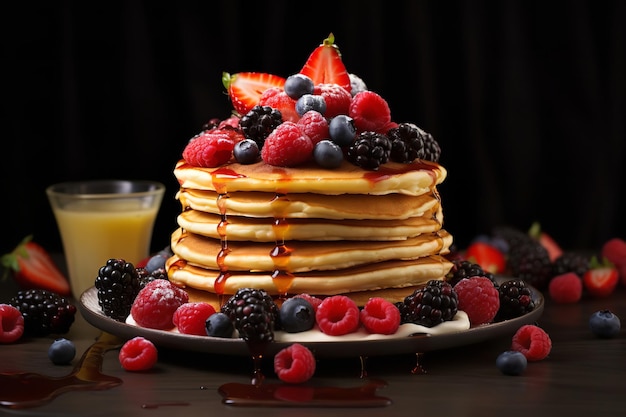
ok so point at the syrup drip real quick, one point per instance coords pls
(418, 369)
(29, 389)
(281, 253)
(283, 395)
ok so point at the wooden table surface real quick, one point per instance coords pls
(583, 376)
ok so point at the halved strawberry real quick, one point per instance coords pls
(245, 88)
(324, 65)
(490, 258)
(33, 268)
(550, 245)
(601, 278)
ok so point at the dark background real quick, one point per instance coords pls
(526, 98)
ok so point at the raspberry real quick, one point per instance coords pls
(566, 288)
(276, 98)
(532, 341)
(287, 146)
(615, 251)
(314, 301)
(156, 303)
(11, 323)
(314, 125)
(380, 316)
(209, 149)
(337, 315)
(138, 354)
(294, 364)
(190, 318)
(370, 112)
(479, 298)
(337, 99)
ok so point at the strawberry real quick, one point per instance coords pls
(33, 268)
(245, 88)
(324, 65)
(553, 248)
(601, 278)
(490, 258)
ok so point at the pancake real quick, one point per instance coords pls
(310, 205)
(303, 256)
(264, 230)
(369, 277)
(416, 178)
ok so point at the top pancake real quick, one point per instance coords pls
(417, 178)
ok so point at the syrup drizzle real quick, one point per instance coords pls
(29, 389)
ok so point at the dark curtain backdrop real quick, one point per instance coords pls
(527, 98)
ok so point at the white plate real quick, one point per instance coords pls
(388, 345)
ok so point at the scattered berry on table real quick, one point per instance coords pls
(253, 313)
(337, 315)
(138, 354)
(191, 317)
(117, 283)
(219, 325)
(296, 315)
(297, 85)
(614, 250)
(369, 150)
(566, 288)
(601, 279)
(287, 146)
(532, 341)
(246, 152)
(571, 261)
(294, 364)
(341, 130)
(511, 362)
(156, 303)
(380, 316)
(11, 324)
(62, 351)
(479, 299)
(327, 154)
(44, 312)
(604, 324)
(259, 122)
(515, 299)
(430, 305)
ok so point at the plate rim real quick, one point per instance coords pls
(419, 343)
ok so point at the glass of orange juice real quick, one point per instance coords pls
(103, 219)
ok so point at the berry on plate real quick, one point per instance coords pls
(490, 258)
(294, 364)
(190, 318)
(156, 303)
(566, 288)
(219, 325)
(296, 315)
(532, 341)
(479, 298)
(605, 324)
(62, 351)
(11, 324)
(511, 362)
(380, 316)
(601, 278)
(337, 315)
(138, 354)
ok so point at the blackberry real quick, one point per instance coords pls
(432, 150)
(44, 312)
(430, 305)
(145, 277)
(515, 300)
(462, 268)
(118, 285)
(407, 143)
(369, 150)
(253, 313)
(259, 122)
(571, 261)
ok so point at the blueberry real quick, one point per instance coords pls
(327, 154)
(219, 325)
(511, 362)
(246, 151)
(156, 262)
(342, 130)
(310, 102)
(296, 315)
(62, 351)
(604, 323)
(297, 85)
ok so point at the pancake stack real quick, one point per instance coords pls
(309, 230)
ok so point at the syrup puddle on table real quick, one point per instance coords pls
(29, 389)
